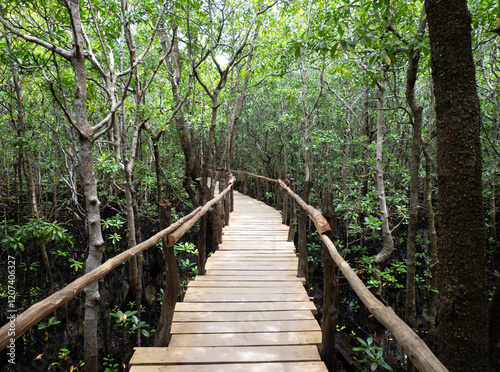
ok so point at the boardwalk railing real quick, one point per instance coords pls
(419, 353)
(43, 308)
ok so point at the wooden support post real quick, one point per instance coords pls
(278, 192)
(171, 291)
(245, 183)
(258, 191)
(284, 213)
(330, 317)
(293, 213)
(227, 201)
(303, 265)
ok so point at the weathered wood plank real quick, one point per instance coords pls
(242, 297)
(243, 367)
(285, 266)
(268, 277)
(247, 339)
(200, 355)
(254, 273)
(240, 316)
(245, 306)
(246, 327)
(243, 284)
(195, 291)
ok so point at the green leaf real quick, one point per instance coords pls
(373, 366)
(297, 50)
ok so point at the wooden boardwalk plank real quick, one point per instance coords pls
(247, 339)
(250, 312)
(241, 297)
(246, 367)
(245, 306)
(246, 327)
(240, 316)
(245, 284)
(242, 290)
(223, 354)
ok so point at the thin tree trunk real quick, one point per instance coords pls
(431, 307)
(388, 243)
(416, 144)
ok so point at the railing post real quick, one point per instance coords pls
(171, 291)
(278, 191)
(227, 200)
(284, 213)
(330, 317)
(303, 266)
(293, 213)
(245, 184)
(258, 189)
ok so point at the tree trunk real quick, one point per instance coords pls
(96, 242)
(328, 351)
(463, 324)
(171, 292)
(494, 326)
(388, 243)
(302, 270)
(431, 306)
(416, 144)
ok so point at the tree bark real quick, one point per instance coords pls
(431, 305)
(171, 291)
(302, 270)
(463, 326)
(328, 351)
(388, 242)
(416, 144)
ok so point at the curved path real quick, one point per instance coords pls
(249, 312)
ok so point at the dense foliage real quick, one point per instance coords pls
(295, 85)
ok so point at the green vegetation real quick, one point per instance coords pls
(174, 93)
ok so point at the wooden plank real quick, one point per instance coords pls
(256, 273)
(242, 297)
(240, 316)
(245, 306)
(194, 291)
(243, 367)
(268, 277)
(291, 267)
(247, 339)
(243, 284)
(246, 327)
(199, 355)
(243, 254)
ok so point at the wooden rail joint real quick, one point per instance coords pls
(320, 222)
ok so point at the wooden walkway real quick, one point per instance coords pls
(249, 312)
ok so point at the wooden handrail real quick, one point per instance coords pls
(318, 219)
(177, 234)
(419, 353)
(43, 308)
(255, 175)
